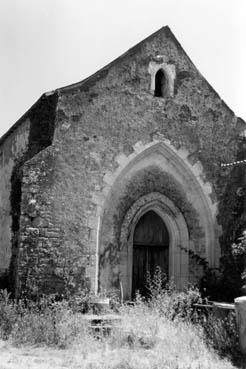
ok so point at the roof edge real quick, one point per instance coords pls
(75, 85)
(23, 117)
(168, 33)
(79, 84)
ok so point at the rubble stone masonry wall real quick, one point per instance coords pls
(68, 186)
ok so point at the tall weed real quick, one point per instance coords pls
(221, 333)
(7, 314)
(167, 301)
(145, 324)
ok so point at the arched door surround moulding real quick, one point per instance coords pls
(178, 236)
(166, 156)
(162, 154)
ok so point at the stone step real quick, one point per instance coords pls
(101, 325)
(107, 319)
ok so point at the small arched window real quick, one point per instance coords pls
(160, 84)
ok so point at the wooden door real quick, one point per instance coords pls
(150, 249)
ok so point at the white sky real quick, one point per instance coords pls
(46, 44)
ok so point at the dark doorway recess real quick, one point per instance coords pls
(150, 249)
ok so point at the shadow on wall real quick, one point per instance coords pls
(145, 181)
(42, 118)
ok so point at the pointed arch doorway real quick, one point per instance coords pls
(175, 228)
(150, 250)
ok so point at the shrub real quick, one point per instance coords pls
(148, 340)
(219, 333)
(157, 333)
(157, 283)
(81, 301)
(8, 314)
(48, 322)
(45, 321)
(239, 255)
(168, 302)
(55, 326)
(34, 328)
(60, 323)
(139, 326)
(222, 334)
(229, 281)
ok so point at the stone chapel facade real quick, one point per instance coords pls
(107, 178)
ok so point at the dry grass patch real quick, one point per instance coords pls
(151, 335)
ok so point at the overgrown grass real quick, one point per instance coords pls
(147, 340)
(50, 322)
(164, 331)
(220, 333)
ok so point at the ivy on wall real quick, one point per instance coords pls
(232, 217)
